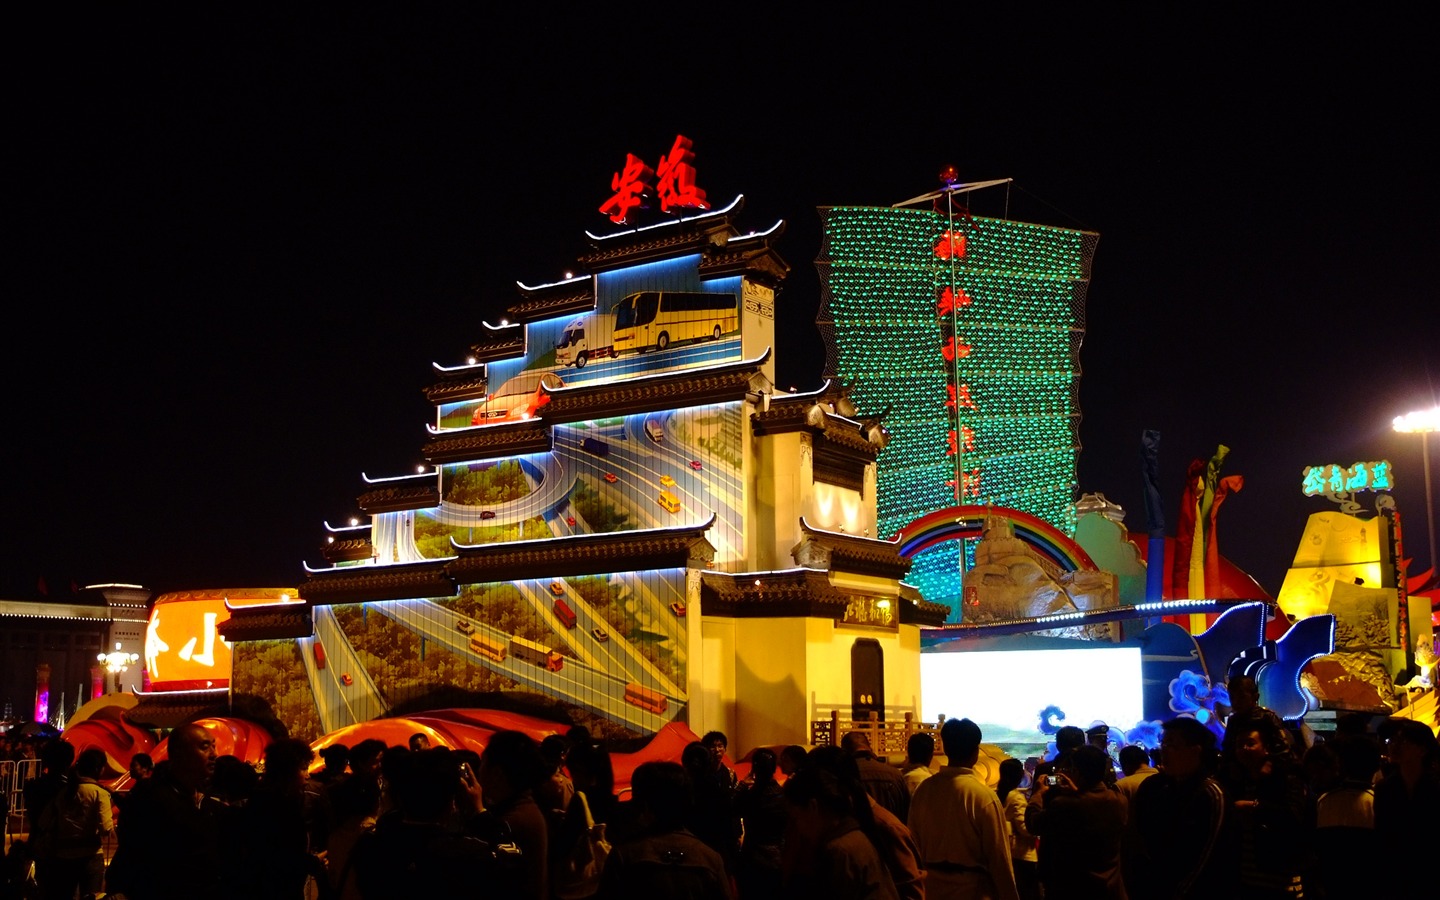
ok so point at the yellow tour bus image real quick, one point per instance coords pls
(669, 501)
(485, 645)
(656, 319)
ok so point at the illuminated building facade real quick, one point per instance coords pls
(49, 645)
(965, 332)
(615, 501)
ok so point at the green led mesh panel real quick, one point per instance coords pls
(1009, 397)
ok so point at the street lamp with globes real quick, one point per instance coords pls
(1423, 422)
(116, 662)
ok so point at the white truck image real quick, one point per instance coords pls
(588, 337)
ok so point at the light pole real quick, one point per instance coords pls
(1423, 422)
(115, 663)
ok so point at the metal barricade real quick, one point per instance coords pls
(13, 775)
(7, 792)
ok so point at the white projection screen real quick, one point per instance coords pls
(1005, 692)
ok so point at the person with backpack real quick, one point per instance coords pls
(70, 831)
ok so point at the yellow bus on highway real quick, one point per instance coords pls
(646, 698)
(487, 646)
(656, 319)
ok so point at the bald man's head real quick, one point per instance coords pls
(192, 756)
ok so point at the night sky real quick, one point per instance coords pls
(238, 243)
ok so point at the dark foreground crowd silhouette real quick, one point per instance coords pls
(1262, 815)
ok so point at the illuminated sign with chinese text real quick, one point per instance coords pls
(872, 612)
(183, 647)
(1362, 476)
(672, 180)
(183, 650)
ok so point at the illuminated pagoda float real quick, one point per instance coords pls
(965, 331)
(620, 523)
(962, 334)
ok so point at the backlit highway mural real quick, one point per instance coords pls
(609, 647)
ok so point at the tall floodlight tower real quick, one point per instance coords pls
(1424, 423)
(966, 332)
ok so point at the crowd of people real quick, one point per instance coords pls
(15, 748)
(1259, 817)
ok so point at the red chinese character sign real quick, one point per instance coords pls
(951, 245)
(677, 179)
(672, 180)
(631, 185)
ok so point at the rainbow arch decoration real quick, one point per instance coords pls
(957, 522)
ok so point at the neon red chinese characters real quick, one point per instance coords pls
(676, 186)
(630, 185)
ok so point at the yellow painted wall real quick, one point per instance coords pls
(839, 509)
(794, 670)
(783, 479)
(772, 679)
(713, 696)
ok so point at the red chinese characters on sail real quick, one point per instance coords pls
(953, 349)
(970, 482)
(963, 439)
(951, 245)
(959, 396)
(951, 300)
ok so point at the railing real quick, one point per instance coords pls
(888, 738)
(13, 775)
(7, 799)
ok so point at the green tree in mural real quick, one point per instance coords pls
(275, 671)
(486, 484)
(432, 536)
(600, 515)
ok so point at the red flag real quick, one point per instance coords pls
(42, 587)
